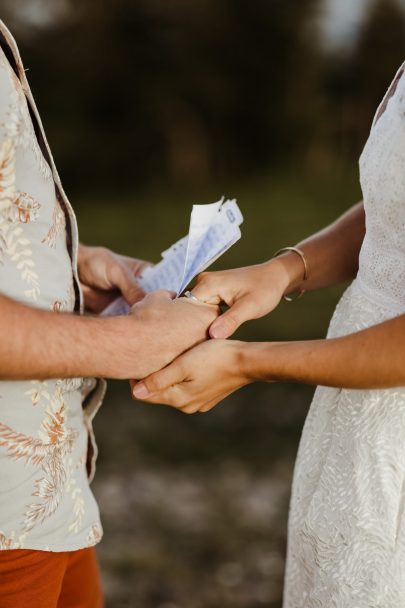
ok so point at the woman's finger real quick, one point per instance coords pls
(207, 289)
(167, 397)
(225, 325)
(159, 382)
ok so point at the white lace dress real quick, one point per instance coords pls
(346, 540)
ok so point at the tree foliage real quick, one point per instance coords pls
(135, 92)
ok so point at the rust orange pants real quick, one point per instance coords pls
(41, 579)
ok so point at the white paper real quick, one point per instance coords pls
(214, 228)
(222, 232)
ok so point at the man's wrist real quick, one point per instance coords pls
(100, 347)
(93, 351)
(115, 355)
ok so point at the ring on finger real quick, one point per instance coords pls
(191, 296)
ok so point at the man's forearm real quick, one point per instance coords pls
(41, 344)
(368, 359)
(332, 253)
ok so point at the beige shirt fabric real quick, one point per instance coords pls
(47, 448)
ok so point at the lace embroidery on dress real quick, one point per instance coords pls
(346, 534)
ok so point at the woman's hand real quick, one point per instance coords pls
(332, 255)
(104, 275)
(372, 358)
(250, 292)
(197, 380)
(166, 328)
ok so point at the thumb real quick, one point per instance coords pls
(225, 325)
(129, 287)
(158, 382)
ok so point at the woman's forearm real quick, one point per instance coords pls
(332, 254)
(371, 358)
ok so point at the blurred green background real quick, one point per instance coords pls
(151, 106)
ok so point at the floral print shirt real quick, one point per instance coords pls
(47, 448)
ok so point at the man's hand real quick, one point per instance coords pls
(105, 275)
(197, 380)
(39, 344)
(158, 330)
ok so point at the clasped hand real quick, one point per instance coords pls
(206, 374)
(164, 340)
(159, 328)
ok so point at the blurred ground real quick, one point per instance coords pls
(195, 508)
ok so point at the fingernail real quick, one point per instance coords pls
(218, 332)
(140, 391)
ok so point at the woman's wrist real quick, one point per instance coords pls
(248, 354)
(289, 269)
(265, 361)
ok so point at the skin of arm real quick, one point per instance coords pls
(254, 291)
(38, 344)
(369, 359)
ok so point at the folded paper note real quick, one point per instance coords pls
(213, 230)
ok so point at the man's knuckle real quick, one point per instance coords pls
(103, 252)
(116, 273)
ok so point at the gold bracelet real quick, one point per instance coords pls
(306, 268)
